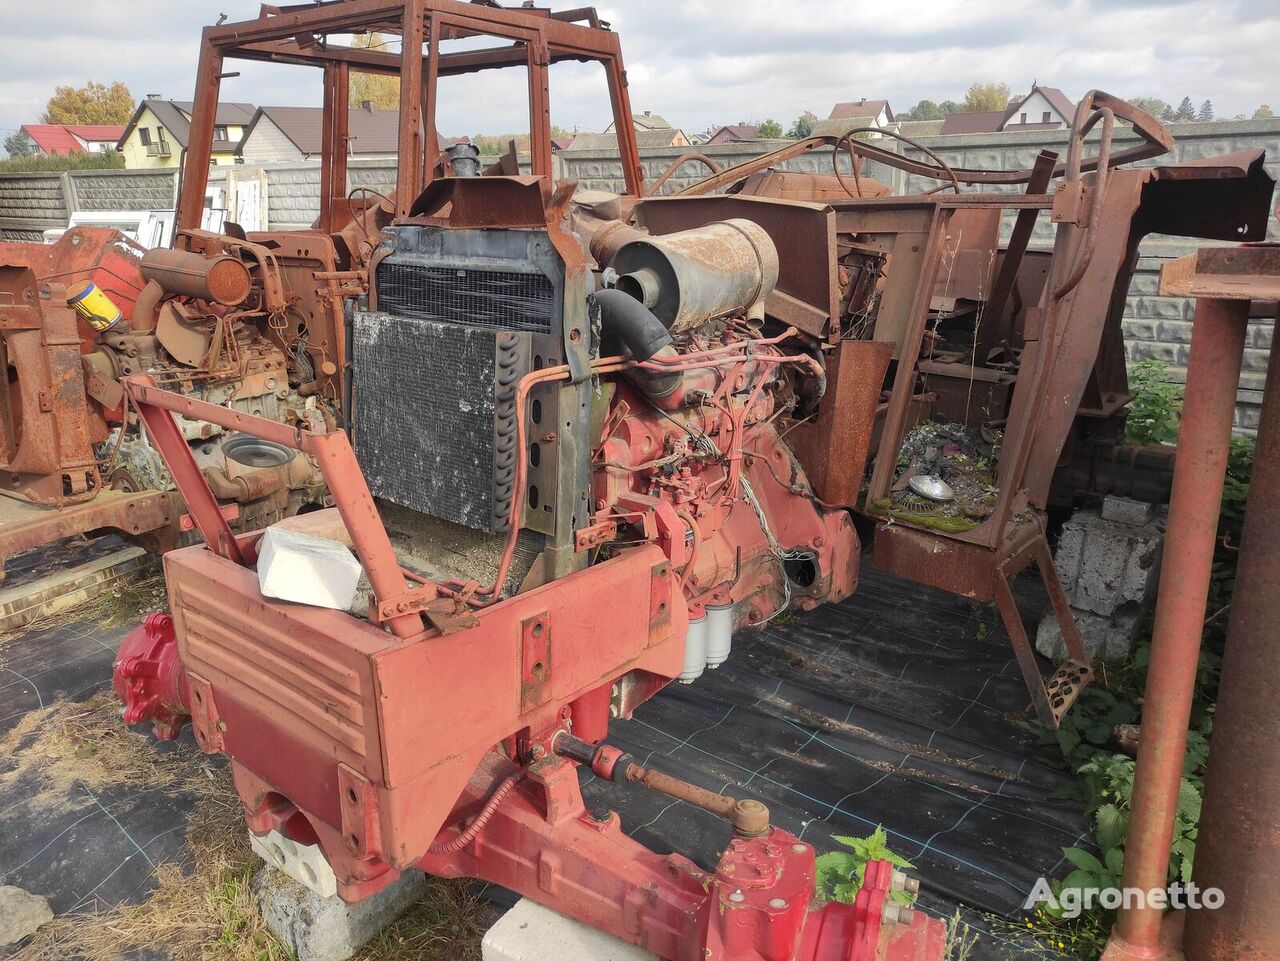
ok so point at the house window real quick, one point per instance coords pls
(144, 136)
(1045, 117)
(220, 133)
(1024, 119)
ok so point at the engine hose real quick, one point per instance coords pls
(631, 322)
(477, 824)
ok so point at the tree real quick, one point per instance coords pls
(93, 103)
(987, 97)
(1152, 105)
(771, 129)
(803, 127)
(1167, 115)
(1263, 113)
(17, 144)
(948, 107)
(378, 90)
(1186, 110)
(924, 110)
(1206, 111)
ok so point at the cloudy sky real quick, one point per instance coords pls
(705, 62)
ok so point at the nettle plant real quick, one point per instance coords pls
(841, 873)
(1156, 408)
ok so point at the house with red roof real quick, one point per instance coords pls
(66, 138)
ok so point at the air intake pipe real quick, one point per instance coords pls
(643, 335)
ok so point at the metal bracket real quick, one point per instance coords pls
(593, 535)
(535, 659)
(208, 725)
(1068, 204)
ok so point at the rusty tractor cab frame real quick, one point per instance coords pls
(300, 34)
(1066, 317)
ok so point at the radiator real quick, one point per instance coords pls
(423, 399)
(435, 367)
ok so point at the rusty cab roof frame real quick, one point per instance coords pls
(300, 34)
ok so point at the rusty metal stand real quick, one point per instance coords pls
(1225, 280)
(1240, 823)
(1053, 697)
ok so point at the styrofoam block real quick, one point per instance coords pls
(307, 570)
(530, 932)
(305, 863)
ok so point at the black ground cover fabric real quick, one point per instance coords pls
(901, 707)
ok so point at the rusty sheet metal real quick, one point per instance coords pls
(149, 514)
(803, 185)
(967, 395)
(969, 257)
(1235, 273)
(46, 430)
(101, 254)
(833, 447)
(1134, 205)
(1218, 198)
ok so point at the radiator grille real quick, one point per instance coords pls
(495, 299)
(423, 399)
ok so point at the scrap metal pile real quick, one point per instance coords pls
(240, 323)
(575, 441)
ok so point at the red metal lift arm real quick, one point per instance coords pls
(333, 455)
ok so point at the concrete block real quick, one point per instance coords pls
(1104, 638)
(1104, 564)
(1109, 567)
(530, 932)
(1118, 570)
(326, 929)
(1126, 510)
(298, 567)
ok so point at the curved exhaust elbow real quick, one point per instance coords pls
(644, 337)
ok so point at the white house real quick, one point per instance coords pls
(849, 114)
(1044, 108)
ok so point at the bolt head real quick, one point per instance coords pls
(777, 903)
(737, 897)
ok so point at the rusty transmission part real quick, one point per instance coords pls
(749, 817)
